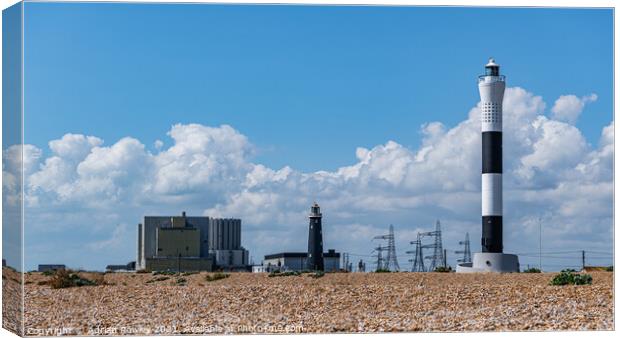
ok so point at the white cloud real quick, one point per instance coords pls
(567, 108)
(550, 171)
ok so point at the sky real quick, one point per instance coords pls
(257, 111)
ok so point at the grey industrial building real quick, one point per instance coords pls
(186, 243)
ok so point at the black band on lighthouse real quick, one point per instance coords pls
(492, 234)
(492, 152)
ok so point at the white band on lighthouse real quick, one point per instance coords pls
(491, 194)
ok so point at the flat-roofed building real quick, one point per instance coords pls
(297, 261)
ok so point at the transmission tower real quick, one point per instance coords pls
(466, 252)
(391, 262)
(380, 262)
(436, 259)
(418, 258)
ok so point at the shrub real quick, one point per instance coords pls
(584, 279)
(181, 281)
(67, 279)
(284, 274)
(532, 270)
(48, 273)
(382, 270)
(158, 279)
(443, 269)
(318, 274)
(568, 270)
(143, 271)
(217, 276)
(189, 273)
(165, 272)
(570, 278)
(610, 268)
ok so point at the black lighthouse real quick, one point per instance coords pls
(315, 239)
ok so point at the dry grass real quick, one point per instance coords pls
(338, 302)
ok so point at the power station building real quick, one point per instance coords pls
(190, 243)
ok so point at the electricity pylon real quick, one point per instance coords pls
(436, 259)
(391, 262)
(380, 262)
(466, 252)
(418, 258)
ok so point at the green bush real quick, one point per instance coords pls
(568, 270)
(66, 279)
(382, 270)
(610, 268)
(165, 272)
(284, 274)
(157, 279)
(443, 269)
(571, 278)
(584, 279)
(49, 273)
(217, 276)
(532, 270)
(317, 274)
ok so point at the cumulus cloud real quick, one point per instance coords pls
(567, 108)
(551, 171)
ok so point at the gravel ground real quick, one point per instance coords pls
(11, 300)
(340, 302)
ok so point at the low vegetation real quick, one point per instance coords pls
(532, 270)
(284, 274)
(317, 274)
(382, 270)
(67, 278)
(143, 271)
(157, 279)
(181, 281)
(569, 277)
(216, 276)
(165, 272)
(443, 269)
(189, 273)
(609, 269)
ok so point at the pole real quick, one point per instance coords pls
(583, 260)
(445, 259)
(539, 244)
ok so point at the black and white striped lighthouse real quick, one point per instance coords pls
(491, 86)
(492, 258)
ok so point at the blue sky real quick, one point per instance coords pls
(306, 84)
(371, 111)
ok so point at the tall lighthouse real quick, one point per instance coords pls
(491, 86)
(492, 259)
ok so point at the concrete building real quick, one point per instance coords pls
(190, 243)
(51, 267)
(298, 261)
